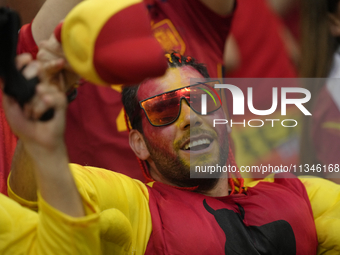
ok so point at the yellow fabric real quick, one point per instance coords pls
(324, 197)
(23, 231)
(125, 219)
(269, 178)
(80, 30)
(29, 204)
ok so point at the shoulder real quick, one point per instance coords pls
(106, 184)
(282, 183)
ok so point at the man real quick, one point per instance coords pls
(176, 214)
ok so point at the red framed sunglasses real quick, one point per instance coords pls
(165, 108)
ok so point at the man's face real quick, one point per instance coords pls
(191, 140)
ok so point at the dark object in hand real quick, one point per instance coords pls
(15, 84)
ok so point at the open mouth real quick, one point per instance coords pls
(197, 144)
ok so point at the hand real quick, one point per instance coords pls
(38, 137)
(41, 163)
(50, 51)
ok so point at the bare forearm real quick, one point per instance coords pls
(47, 171)
(50, 14)
(40, 161)
(22, 178)
(55, 182)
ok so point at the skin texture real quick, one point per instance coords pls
(169, 162)
(43, 151)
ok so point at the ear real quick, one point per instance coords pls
(334, 24)
(138, 145)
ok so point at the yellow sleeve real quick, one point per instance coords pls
(23, 231)
(33, 205)
(125, 220)
(324, 197)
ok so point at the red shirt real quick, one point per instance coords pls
(271, 218)
(7, 147)
(190, 28)
(257, 31)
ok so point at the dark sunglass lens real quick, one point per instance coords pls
(162, 110)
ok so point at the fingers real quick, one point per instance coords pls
(51, 57)
(51, 69)
(54, 66)
(22, 60)
(54, 63)
(46, 97)
(31, 70)
(50, 49)
(45, 55)
(52, 45)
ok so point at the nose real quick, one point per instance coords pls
(188, 118)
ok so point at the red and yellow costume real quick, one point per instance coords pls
(276, 216)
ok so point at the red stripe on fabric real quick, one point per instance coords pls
(26, 43)
(57, 31)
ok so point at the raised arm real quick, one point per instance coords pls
(64, 215)
(22, 178)
(48, 17)
(42, 144)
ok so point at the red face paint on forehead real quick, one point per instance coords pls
(168, 144)
(174, 78)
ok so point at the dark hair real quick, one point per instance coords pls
(129, 94)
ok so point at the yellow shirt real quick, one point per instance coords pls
(24, 231)
(125, 220)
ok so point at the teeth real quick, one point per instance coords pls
(196, 143)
